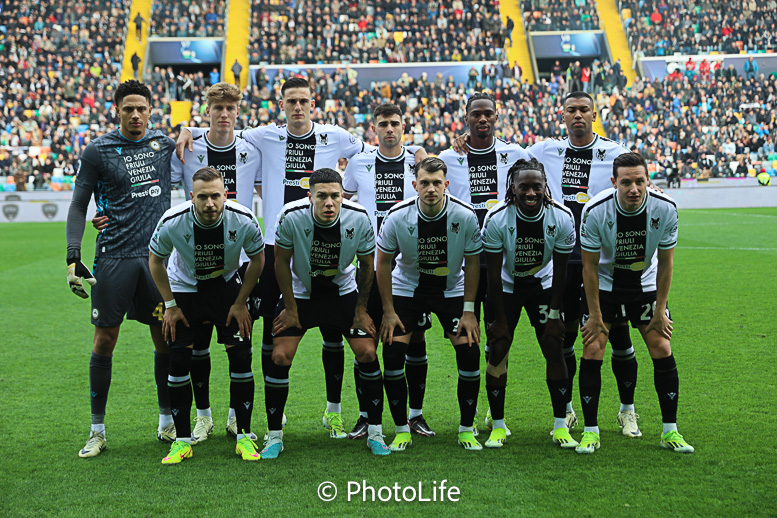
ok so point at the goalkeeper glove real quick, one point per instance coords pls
(77, 272)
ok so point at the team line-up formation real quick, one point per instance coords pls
(568, 229)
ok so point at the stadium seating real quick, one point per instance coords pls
(565, 15)
(189, 19)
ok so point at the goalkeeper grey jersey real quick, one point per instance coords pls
(575, 175)
(240, 163)
(527, 243)
(131, 185)
(380, 182)
(322, 261)
(431, 250)
(628, 241)
(479, 177)
(205, 254)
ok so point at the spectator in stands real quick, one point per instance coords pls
(751, 68)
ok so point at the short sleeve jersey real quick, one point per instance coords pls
(205, 254)
(289, 160)
(479, 177)
(323, 254)
(628, 241)
(131, 185)
(527, 243)
(577, 174)
(239, 162)
(431, 250)
(380, 182)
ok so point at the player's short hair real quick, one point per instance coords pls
(207, 174)
(431, 164)
(325, 175)
(525, 165)
(629, 160)
(296, 82)
(578, 94)
(131, 87)
(386, 110)
(477, 96)
(223, 92)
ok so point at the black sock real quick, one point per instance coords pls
(590, 387)
(495, 390)
(179, 386)
(99, 384)
(267, 345)
(558, 397)
(241, 386)
(468, 364)
(571, 361)
(201, 377)
(373, 390)
(333, 358)
(357, 381)
(161, 370)
(667, 386)
(276, 391)
(624, 363)
(416, 368)
(395, 382)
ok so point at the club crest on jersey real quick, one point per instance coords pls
(550, 230)
(455, 228)
(654, 223)
(601, 153)
(503, 158)
(411, 229)
(323, 139)
(118, 149)
(232, 235)
(307, 232)
(610, 224)
(200, 158)
(243, 158)
(154, 144)
(349, 233)
(461, 160)
(187, 237)
(560, 151)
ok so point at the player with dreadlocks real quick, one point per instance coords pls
(527, 239)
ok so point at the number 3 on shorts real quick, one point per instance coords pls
(158, 311)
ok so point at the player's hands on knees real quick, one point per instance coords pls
(390, 322)
(243, 318)
(592, 329)
(661, 324)
(77, 272)
(170, 319)
(288, 319)
(184, 141)
(468, 324)
(363, 322)
(460, 144)
(554, 330)
(100, 223)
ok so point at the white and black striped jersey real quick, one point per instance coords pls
(239, 162)
(380, 182)
(628, 241)
(289, 160)
(577, 174)
(205, 253)
(322, 261)
(431, 250)
(527, 243)
(479, 177)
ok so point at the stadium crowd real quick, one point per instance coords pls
(188, 18)
(567, 15)
(666, 27)
(384, 31)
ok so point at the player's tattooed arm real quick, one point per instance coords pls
(288, 317)
(390, 318)
(554, 328)
(173, 313)
(594, 331)
(468, 325)
(461, 144)
(660, 321)
(364, 279)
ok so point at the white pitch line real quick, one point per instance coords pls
(725, 214)
(726, 248)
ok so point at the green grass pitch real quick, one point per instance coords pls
(722, 301)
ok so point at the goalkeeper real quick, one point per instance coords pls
(128, 171)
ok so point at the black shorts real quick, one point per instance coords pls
(375, 308)
(268, 292)
(212, 306)
(124, 286)
(573, 304)
(414, 312)
(637, 309)
(336, 314)
(255, 297)
(536, 303)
